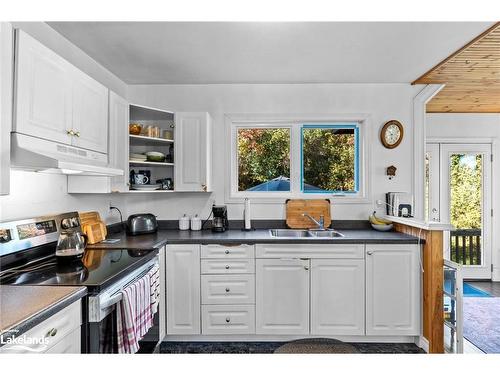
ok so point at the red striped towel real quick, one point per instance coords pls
(134, 317)
(154, 277)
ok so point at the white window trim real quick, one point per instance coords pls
(295, 122)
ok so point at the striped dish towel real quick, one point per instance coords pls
(154, 277)
(134, 316)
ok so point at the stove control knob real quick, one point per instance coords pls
(66, 223)
(5, 235)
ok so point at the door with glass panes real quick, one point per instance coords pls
(458, 190)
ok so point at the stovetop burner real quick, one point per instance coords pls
(96, 270)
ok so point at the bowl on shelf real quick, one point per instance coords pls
(135, 129)
(155, 156)
(382, 227)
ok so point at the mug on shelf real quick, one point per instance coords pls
(140, 179)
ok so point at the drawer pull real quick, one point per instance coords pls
(51, 332)
(228, 320)
(227, 266)
(227, 251)
(228, 290)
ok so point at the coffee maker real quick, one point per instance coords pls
(219, 221)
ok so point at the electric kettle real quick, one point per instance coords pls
(71, 244)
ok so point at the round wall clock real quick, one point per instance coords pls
(391, 134)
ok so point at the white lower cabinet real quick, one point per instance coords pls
(337, 297)
(228, 319)
(282, 296)
(61, 333)
(392, 290)
(183, 290)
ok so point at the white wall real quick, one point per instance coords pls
(466, 127)
(462, 125)
(382, 102)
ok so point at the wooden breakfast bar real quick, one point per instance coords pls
(433, 315)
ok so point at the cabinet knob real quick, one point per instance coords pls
(77, 134)
(228, 320)
(70, 132)
(227, 252)
(52, 332)
(228, 290)
(369, 252)
(306, 268)
(204, 187)
(227, 266)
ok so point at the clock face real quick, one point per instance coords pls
(392, 134)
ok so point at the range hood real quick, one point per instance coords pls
(40, 155)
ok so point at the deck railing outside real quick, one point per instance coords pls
(465, 246)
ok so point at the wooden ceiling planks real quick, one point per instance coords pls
(471, 75)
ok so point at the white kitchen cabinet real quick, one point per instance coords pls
(89, 113)
(117, 154)
(118, 147)
(6, 72)
(183, 290)
(337, 297)
(392, 290)
(282, 296)
(57, 334)
(56, 101)
(43, 102)
(193, 151)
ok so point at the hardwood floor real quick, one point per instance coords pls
(492, 287)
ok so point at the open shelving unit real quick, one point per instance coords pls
(141, 143)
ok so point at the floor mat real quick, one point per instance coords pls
(316, 346)
(482, 323)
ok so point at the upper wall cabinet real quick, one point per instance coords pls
(193, 152)
(56, 101)
(6, 61)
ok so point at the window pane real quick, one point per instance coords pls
(264, 159)
(329, 159)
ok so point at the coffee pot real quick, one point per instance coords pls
(71, 244)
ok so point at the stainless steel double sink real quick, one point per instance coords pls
(304, 233)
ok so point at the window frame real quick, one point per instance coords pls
(295, 123)
(354, 126)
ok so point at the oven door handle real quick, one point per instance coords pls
(113, 300)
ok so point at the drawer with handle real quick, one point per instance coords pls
(228, 251)
(48, 333)
(227, 319)
(215, 266)
(227, 289)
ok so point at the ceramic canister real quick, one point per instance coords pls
(184, 222)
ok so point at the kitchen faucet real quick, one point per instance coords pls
(320, 223)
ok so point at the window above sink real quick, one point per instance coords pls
(274, 158)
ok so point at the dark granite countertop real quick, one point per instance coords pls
(24, 306)
(234, 236)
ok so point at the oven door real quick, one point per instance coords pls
(102, 317)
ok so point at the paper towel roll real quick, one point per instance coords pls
(248, 223)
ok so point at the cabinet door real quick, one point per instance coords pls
(118, 141)
(90, 113)
(282, 296)
(70, 344)
(183, 290)
(43, 96)
(193, 151)
(337, 297)
(392, 290)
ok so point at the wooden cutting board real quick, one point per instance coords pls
(314, 207)
(93, 226)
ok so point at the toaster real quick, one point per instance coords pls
(141, 224)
